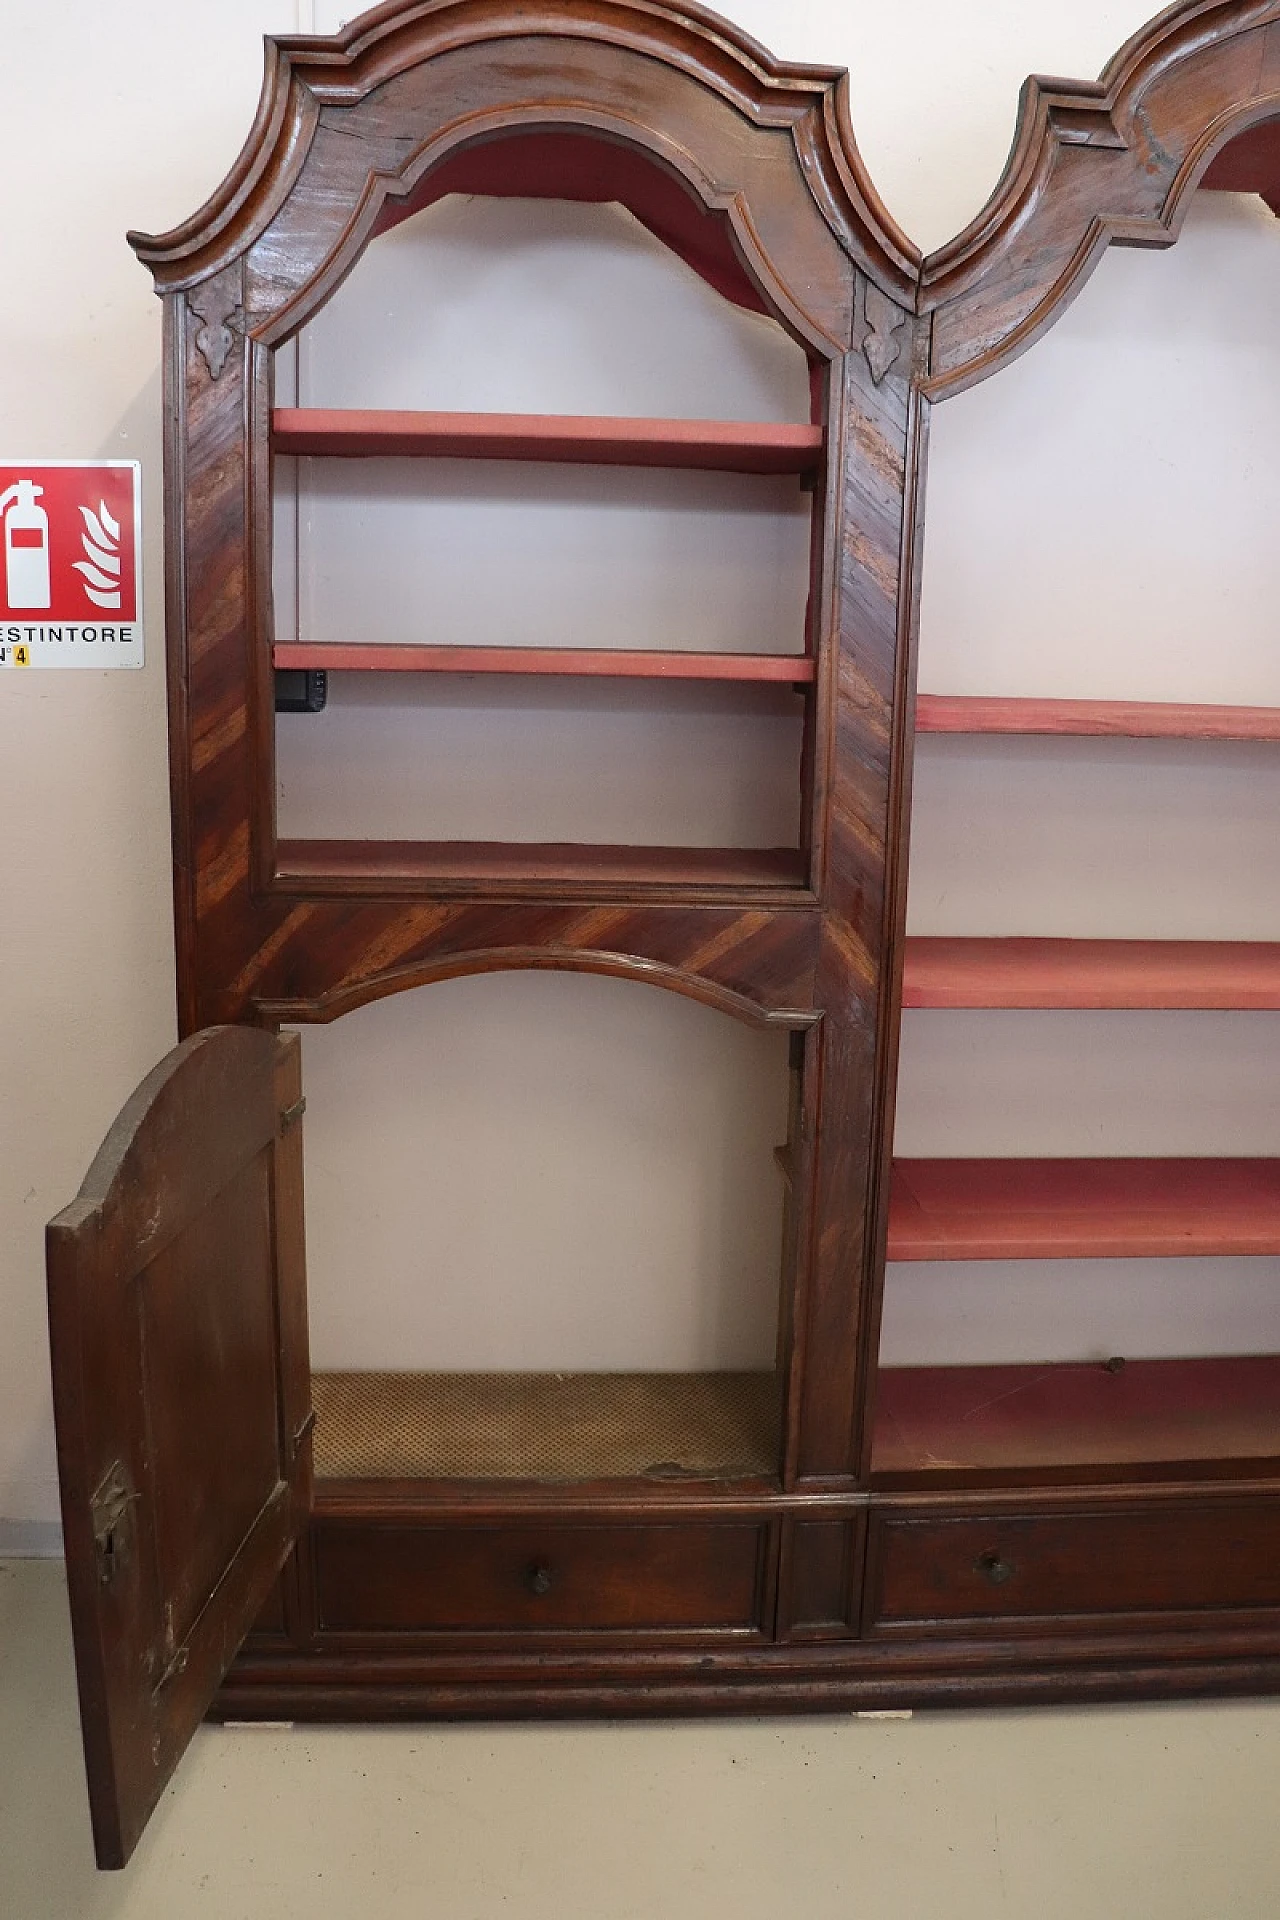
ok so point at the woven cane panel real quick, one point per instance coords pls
(544, 1426)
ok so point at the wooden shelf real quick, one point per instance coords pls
(1137, 720)
(935, 1424)
(406, 863)
(1082, 1209)
(721, 446)
(966, 972)
(583, 662)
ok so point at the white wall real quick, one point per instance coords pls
(85, 944)
(543, 1171)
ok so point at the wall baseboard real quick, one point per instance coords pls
(30, 1540)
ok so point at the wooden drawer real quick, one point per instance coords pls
(1118, 1560)
(538, 1576)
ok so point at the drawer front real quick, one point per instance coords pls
(1122, 1560)
(535, 1576)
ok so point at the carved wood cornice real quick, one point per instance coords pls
(306, 76)
(1094, 162)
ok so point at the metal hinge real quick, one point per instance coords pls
(111, 1515)
(291, 1115)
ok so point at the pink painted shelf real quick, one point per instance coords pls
(722, 446)
(936, 1424)
(792, 669)
(968, 972)
(1133, 719)
(1082, 1209)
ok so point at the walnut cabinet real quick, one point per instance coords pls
(825, 1535)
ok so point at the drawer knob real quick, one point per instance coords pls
(993, 1568)
(538, 1579)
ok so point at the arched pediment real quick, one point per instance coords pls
(348, 125)
(1092, 163)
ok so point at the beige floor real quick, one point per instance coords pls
(1155, 1813)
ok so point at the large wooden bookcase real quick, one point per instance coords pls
(829, 1535)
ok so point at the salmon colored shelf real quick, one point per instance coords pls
(603, 662)
(940, 1424)
(1137, 720)
(721, 446)
(964, 972)
(1082, 1209)
(401, 864)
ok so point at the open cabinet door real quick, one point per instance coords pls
(177, 1314)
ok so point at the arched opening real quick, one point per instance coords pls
(544, 1233)
(576, 165)
(613, 650)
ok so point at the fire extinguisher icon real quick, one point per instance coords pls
(26, 546)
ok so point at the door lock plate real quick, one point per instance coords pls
(111, 1514)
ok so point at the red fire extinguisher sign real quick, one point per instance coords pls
(70, 591)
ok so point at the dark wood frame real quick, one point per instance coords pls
(268, 934)
(973, 1586)
(182, 1395)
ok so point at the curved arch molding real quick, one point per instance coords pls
(323, 960)
(346, 996)
(1114, 160)
(342, 121)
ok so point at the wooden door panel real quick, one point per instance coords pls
(178, 1334)
(205, 1313)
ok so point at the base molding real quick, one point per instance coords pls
(854, 1677)
(758, 1602)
